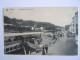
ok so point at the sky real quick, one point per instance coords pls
(60, 16)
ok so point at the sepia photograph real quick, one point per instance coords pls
(41, 31)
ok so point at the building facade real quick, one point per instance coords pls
(73, 28)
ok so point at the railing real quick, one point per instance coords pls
(11, 46)
(10, 43)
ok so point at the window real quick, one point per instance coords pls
(73, 24)
(15, 47)
(11, 48)
(7, 49)
(77, 31)
(76, 25)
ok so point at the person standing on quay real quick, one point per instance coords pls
(46, 48)
(43, 51)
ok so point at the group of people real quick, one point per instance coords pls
(45, 50)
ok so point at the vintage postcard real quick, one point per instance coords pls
(41, 31)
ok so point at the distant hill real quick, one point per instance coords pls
(30, 23)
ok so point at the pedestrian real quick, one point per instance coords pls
(43, 51)
(46, 48)
(56, 37)
(53, 36)
(61, 35)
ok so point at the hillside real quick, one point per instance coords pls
(15, 24)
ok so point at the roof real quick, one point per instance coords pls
(20, 34)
